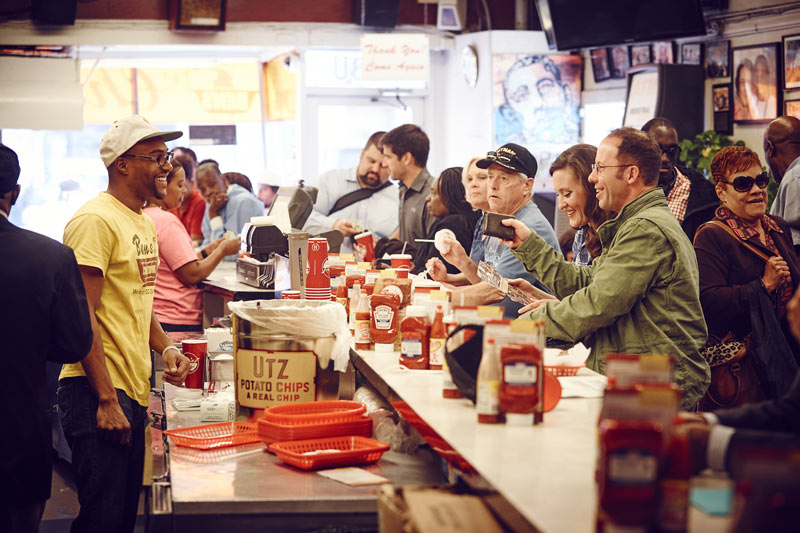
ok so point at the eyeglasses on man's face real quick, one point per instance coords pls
(671, 151)
(745, 183)
(162, 159)
(598, 168)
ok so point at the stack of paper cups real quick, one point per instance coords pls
(318, 280)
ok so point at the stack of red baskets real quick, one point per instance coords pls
(324, 434)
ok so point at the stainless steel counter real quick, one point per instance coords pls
(208, 491)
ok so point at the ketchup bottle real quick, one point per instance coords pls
(438, 336)
(519, 388)
(362, 322)
(628, 465)
(415, 337)
(384, 323)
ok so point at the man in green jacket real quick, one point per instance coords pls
(641, 295)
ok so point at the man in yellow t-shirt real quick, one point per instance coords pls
(104, 398)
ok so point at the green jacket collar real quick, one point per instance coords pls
(649, 199)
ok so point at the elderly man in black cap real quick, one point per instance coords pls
(512, 169)
(47, 319)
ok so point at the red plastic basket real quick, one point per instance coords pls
(272, 432)
(563, 371)
(211, 436)
(315, 412)
(352, 451)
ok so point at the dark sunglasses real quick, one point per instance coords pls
(745, 183)
(671, 151)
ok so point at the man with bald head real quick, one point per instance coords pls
(782, 152)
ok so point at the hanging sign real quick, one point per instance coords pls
(395, 56)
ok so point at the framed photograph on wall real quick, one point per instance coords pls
(718, 59)
(792, 108)
(791, 62)
(600, 66)
(692, 53)
(721, 104)
(620, 60)
(640, 54)
(755, 69)
(663, 52)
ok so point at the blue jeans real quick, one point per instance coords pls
(108, 475)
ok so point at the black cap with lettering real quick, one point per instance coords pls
(513, 157)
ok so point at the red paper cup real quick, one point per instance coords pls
(317, 273)
(290, 295)
(365, 239)
(401, 263)
(195, 351)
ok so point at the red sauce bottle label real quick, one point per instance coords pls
(519, 374)
(362, 332)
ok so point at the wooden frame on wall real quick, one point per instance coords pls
(692, 53)
(718, 59)
(721, 106)
(600, 64)
(791, 61)
(197, 15)
(756, 95)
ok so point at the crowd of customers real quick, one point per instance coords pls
(661, 260)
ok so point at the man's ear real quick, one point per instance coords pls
(634, 174)
(121, 164)
(407, 159)
(769, 148)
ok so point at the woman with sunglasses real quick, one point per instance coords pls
(731, 250)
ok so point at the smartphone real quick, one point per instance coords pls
(493, 227)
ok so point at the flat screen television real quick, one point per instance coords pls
(574, 24)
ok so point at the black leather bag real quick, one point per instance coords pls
(464, 360)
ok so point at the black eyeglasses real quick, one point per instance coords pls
(162, 160)
(598, 168)
(671, 150)
(745, 183)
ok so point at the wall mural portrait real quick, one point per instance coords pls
(536, 100)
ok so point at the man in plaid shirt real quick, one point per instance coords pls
(690, 196)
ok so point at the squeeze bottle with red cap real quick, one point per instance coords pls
(627, 476)
(488, 386)
(415, 337)
(362, 322)
(438, 336)
(519, 388)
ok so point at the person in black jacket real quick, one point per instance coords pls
(45, 318)
(690, 196)
(447, 203)
(716, 437)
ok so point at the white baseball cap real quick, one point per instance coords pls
(126, 132)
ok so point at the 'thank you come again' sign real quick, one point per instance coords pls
(395, 56)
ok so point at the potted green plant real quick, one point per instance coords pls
(697, 153)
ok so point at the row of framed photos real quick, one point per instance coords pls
(756, 71)
(724, 108)
(613, 62)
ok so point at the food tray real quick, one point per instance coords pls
(352, 451)
(272, 432)
(563, 371)
(209, 436)
(315, 412)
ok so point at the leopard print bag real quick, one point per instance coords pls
(734, 380)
